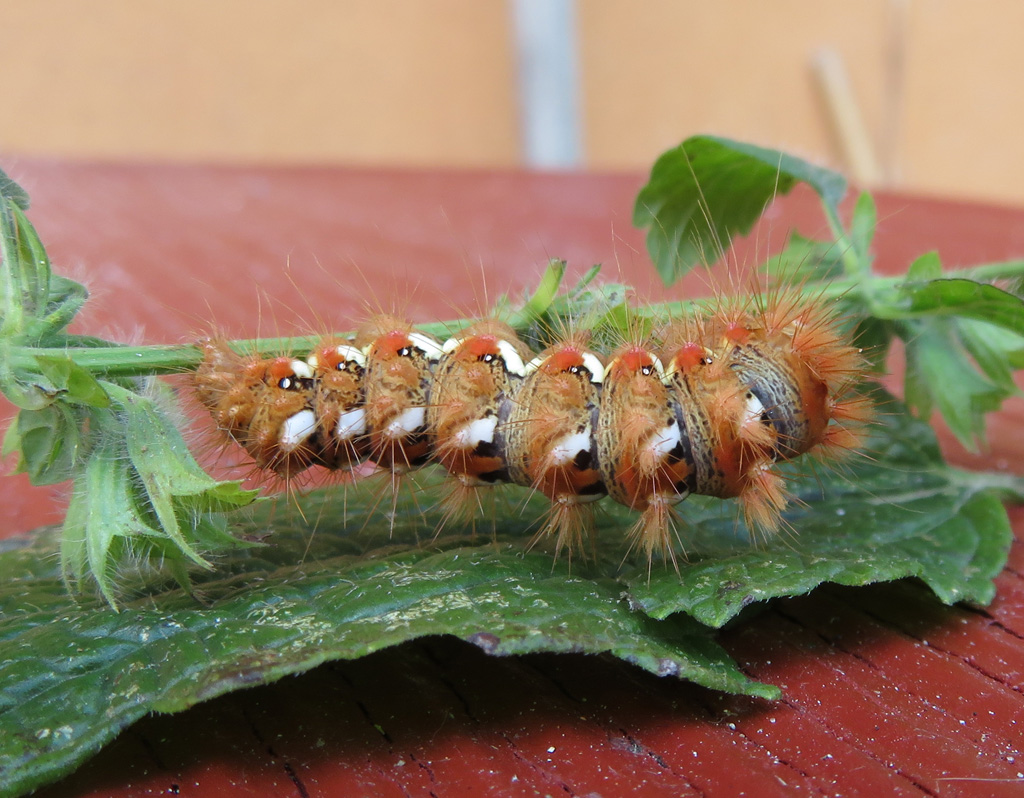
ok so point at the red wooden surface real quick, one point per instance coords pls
(885, 691)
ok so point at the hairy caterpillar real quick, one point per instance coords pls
(710, 405)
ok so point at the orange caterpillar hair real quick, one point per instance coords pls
(709, 408)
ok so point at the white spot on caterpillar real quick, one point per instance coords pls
(297, 429)
(566, 450)
(351, 354)
(665, 441)
(427, 345)
(513, 363)
(351, 423)
(754, 408)
(509, 355)
(476, 432)
(593, 365)
(301, 369)
(407, 422)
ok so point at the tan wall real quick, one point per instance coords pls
(433, 82)
(737, 68)
(266, 80)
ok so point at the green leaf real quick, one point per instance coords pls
(963, 340)
(12, 443)
(105, 508)
(940, 373)
(806, 260)
(952, 297)
(260, 622)
(24, 274)
(66, 298)
(12, 192)
(547, 289)
(917, 389)
(28, 391)
(998, 352)
(874, 337)
(77, 384)
(141, 501)
(35, 308)
(703, 192)
(49, 443)
(585, 280)
(925, 267)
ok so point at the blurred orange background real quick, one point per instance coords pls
(920, 95)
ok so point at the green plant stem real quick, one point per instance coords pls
(851, 260)
(987, 272)
(1009, 486)
(134, 361)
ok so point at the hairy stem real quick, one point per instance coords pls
(132, 361)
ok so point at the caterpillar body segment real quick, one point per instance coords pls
(263, 404)
(338, 371)
(551, 427)
(799, 365)
(551, 437)
(471, 399)
(784, 393)
(396, 385)
(710, 408)
(731, 444)
(642, 449)
(644, 452)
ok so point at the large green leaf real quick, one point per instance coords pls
(334, 585)
(260, 620)
(708, 189)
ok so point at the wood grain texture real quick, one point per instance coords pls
(886, 692)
